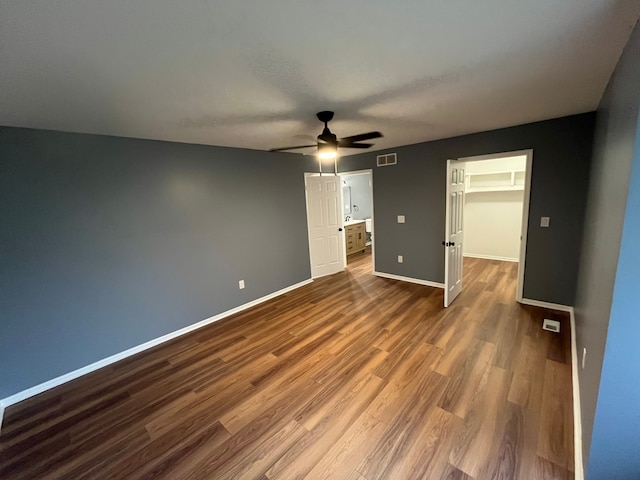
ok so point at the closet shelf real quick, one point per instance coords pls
(496, 181)
(507, 188)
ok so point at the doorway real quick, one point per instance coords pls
(491, 215)
(358, 215)
(339, 210)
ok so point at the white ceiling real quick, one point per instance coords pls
(252, 73)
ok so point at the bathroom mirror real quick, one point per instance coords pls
(346, 199)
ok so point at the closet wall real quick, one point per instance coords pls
(493, 208)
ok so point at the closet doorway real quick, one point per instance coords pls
(495, 213)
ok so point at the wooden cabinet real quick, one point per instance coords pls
(355, 238)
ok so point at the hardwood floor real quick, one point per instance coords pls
(351, 377)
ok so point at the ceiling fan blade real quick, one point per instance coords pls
(292, 148)
(356, 145)
(362, 136)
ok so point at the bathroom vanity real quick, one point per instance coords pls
(355, 236)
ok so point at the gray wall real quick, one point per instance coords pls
(109, 242)
(415, 187)
(360, 195)
(607, 297)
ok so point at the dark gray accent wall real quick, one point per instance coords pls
(607, 302)
(415, 187)
(107, 243)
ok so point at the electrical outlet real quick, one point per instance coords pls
(584, 356)
(241, 284)
(400, 259)
(544, 221)
(400, 218)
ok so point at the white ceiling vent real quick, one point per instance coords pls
(385, 160)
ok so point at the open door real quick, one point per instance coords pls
(324, 217)
(454, 235)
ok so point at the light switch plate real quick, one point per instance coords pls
(400, 259)
(544, 221)
(241, 284)
(400, 218)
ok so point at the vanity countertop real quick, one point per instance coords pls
(352, 222)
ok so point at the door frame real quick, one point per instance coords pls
(341, 222)
(373, 222)
(524, 229)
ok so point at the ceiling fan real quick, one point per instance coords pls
(328, 142)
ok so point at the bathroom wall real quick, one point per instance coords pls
(360, 195)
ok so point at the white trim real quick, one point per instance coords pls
(525, 225)
(549, 305)
(490, 257)
(2, 407)
(356, 172)
(577, 410)
(409, 279)
(30, 392)
(492, 156)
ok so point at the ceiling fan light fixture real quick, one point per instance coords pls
(327, 152)
(327, 155)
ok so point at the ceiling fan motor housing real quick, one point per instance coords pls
(327, 137)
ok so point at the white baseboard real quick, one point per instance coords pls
(43, 387)
(577, 415)
(409, 279)
(577, 410)
(491, 257)
(549, 305)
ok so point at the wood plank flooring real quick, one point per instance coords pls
(352, 377)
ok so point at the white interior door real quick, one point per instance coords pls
(454, 236)
(324, 216)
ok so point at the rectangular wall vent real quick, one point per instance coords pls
(551, 325)
(389, 159)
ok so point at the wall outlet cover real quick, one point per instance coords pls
(241, 284)
(544, 221)
(400, 259)
(400, 218)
